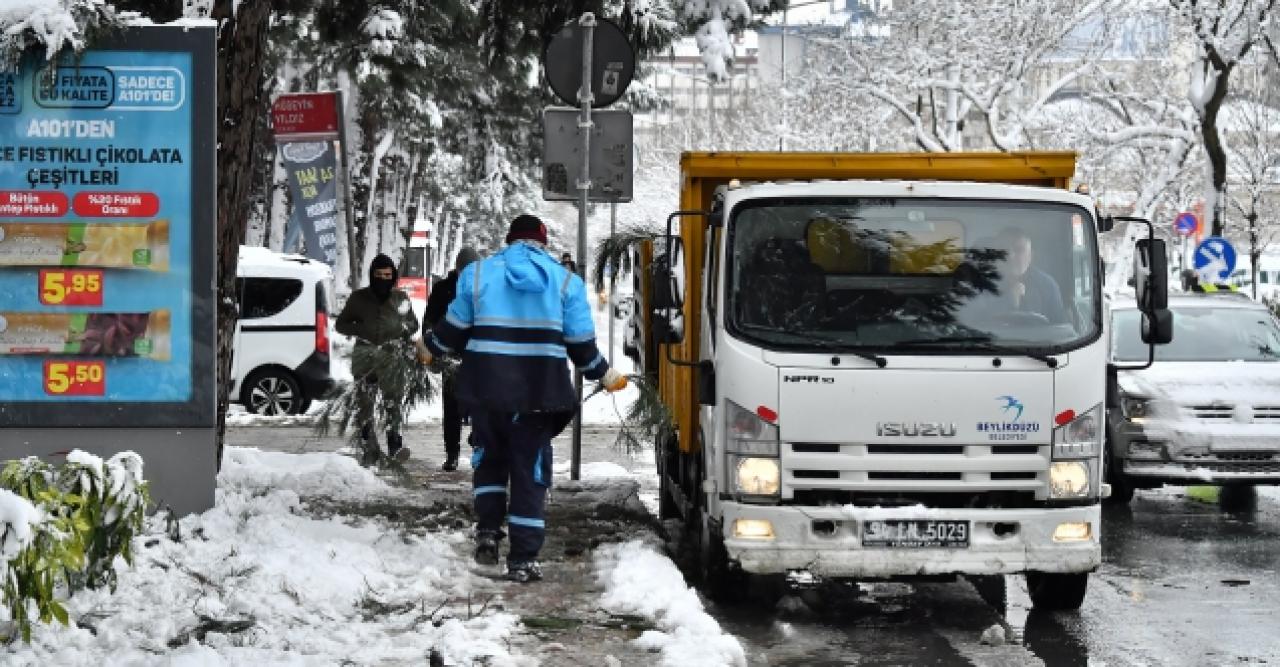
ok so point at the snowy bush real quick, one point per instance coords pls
(61, 529)
(48, 26)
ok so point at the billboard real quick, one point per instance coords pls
(106, 235)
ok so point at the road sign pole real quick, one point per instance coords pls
(613, 270)
(588, 23)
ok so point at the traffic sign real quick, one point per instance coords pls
(611, 160)
(1186, 224)
(305, 116)
(613, 63)
(1215, 259)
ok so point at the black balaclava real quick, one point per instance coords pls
(382, 286)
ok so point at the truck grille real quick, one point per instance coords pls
(839, 470)
(1214, 412)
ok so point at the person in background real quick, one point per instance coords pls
(374, 315)
(566, 260)
(442, 294)
(516, 317)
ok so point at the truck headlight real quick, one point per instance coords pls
(1069, 479)
(757, 476)
(1080, 438)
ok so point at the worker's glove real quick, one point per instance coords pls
(424, 355)
(613, 381)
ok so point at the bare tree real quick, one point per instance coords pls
(1253, 164)
(1224, 32)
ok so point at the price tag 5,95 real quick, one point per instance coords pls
(71, 287)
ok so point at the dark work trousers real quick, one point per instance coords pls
(452, 416)
(512, 450)
(365, 417)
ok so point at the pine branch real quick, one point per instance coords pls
(394, 383)
(647, 419)
(616, 250)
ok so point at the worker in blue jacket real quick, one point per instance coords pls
(516, 317)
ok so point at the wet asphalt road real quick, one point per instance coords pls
(1183, 583)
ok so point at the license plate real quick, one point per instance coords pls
(916, 534)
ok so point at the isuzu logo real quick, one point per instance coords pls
(916, 429)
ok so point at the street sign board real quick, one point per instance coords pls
(305, 116)
(1186, 224)
(611, 159)
(613, 63)
(108, 257)
(1215, 259)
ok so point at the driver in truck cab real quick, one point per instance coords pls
(1025, 287)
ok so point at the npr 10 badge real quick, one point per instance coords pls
(70, 287)
(75, 378)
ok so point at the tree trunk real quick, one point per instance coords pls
(241, 43)
(1215, 150)
(1255, 253)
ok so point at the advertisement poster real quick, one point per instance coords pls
(96, 227)
(311, 167)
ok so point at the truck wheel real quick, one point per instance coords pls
(1121, 486)
(992, 589)
(667, 508)
(1056, 591)
(718, 581)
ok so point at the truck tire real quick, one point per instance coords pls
(1121, 486)
(720, 582)
(992, 589)
(1051, 591)
(663, 452)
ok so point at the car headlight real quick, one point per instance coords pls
(1136, 408)
(1080, 438)
(1069, 479)
(748, 433)
(757, 476)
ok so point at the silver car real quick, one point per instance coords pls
(1208, 410)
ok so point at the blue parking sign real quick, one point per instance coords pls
(1215, 259)
(1186, 224)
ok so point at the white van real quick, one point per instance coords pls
(281, 358)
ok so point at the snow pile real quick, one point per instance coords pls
(256, 580)
(18, 521)
(307, 475)
(639, 580)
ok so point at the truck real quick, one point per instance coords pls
(885, 366)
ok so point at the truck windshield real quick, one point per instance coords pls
(939, 275)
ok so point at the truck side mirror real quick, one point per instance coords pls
(1151, 287)
(1151, 275)
(668, 326)
(668, 275)
(1157, 327)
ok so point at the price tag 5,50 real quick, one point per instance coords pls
(71, 287)
(75, 378)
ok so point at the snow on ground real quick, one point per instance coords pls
(315, 590)
(639, 580)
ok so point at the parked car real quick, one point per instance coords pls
(281, 360)
(1208, 410)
